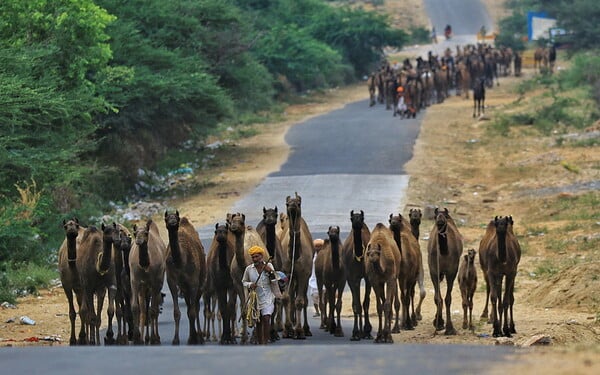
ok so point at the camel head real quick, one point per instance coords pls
(415, 216)
(441, 218)
(396, 222)
(283, 219)
(470, 256)
(334, 233)
(172, 220)
(71, 227)
(237, 222)
(374, 255)
(294, 207)
(270, 216)
(110, 233)
(142, 234)
(221, 231)
(126, 241)
(502, 223)
(357, 219)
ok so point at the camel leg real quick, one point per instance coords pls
(379, 299)
(338, 307)
(494, 293)
(438, 321)
(485, 313)
(367, 328)
(470, 298)
(153, 316)
(136, 312)
(356, 310)
(465, 306)
(422, 293)
(192, 313)
(72, 316)
(110, 312)
(448, 300)
(176, 311)
(397, 305)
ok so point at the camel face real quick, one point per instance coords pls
(141, 234)
(415, 216)
(374, 254)
(501, 223)
(237, 222)
(294, 209)
(334, 233)
(125, 241)
(270, 216)
(221, 232)
(71, 228)
(172, 220)
(471, 256)
(395, 222)
(111, 233)
(357, 219)
(441, 218)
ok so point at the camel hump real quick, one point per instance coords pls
(185, 221)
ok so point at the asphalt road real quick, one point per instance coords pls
(349, 159)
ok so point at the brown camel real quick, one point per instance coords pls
(220, 281)
(69, 277)
(267, 228)
(501, 253)
(353, 255)
(331, 273)
(245, 237)
(123, 300)
(147, 267)
(467, 281)
(415, 215)
(186, 273)
(382, 267)
(540, 59)
(410, 269)
(297, 241)
(97, 276)
(445, 247)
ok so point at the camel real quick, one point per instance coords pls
(382, 266)
(69, 277)
(353, 255)
(479, 97)
(499, 256)
(444, 248)
(96, 276)
(297, 241)
(330, 272)
(267, 229)
(147, 273)
(220, 281)
(467, 281)
(123, 299)
(411, 265)
(186, 273)
(540, 59)
(372, 86)
(245, 237)
(415, 216)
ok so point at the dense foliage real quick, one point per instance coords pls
(96, 90)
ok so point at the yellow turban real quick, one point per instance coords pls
(256, 250)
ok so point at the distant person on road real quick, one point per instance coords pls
(448, 31)
(433, 35)
(482, 31)
(258, 277)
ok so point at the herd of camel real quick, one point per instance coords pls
(428, 81)
(130, 267)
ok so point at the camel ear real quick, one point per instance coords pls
(362, 214)
(134, 228)
(166, 213)
(64, 222)
(351, 213)
(216, 227)
(148, 223)
(264, 210)
(275, 209)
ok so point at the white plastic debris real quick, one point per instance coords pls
(27, 320)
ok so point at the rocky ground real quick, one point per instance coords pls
(458, 163)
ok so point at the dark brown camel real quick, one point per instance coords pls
(186, 273)
(354, 262)
(69, 277)
(122, 246)
(501, 253)
(220, 282)
(331, 273)
(410, 268)
(382, 265)
(445, 247)
(415, 215)
(297, 241)
(267, 229)
(467, 281)
(147, 267)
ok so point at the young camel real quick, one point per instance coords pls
(147, 267)
(69, 277)
(410, 269)
(382, 265)
(331, 273)
(186, 273)
(467, 281)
